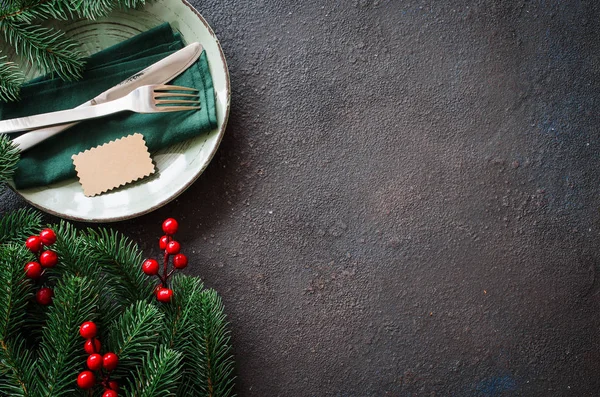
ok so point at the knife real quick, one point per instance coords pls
(160, 72)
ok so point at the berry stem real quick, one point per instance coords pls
(166, 266)
(170, 273)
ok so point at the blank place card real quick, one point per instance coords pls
(113, 164)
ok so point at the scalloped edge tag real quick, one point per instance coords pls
(114, 164)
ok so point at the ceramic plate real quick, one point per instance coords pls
(178, 165)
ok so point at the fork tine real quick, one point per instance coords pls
(172, 101)
(163, 87)
(173, 94)
(176, 108)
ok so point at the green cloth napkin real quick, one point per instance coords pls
(50, 161)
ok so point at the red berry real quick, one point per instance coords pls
(150, 267)
(48, 258)
(92, 346)
(170, 226)
(33, 270)
(164, 294)
(88, 330)
(86, 380)
(48, 236)
(110, 361)
(113, 385)
(34, 244)
(94, 362)
(173, 247)
(180, 261)
(44, 296)
(110, 393)
(162, 243)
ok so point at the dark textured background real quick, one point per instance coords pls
(405, 202)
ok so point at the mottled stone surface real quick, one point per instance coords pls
(405, 202)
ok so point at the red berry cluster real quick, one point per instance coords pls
(46, 258)
(96, 362)
(170, 247)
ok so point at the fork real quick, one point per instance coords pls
(146, 99)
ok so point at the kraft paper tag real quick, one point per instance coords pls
(113, 164)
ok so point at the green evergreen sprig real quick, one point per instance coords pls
(17, 368)
(121, 259)
(15, 287)
(49, 50)
(180, 317)
(60, 352)
(64, 9)
(158, 375)
(178, 348)
(214, 366)
(134, 335)
(9, 157)
(16, 226)
(78, 260)
(11, 79)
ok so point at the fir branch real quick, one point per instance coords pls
(94, 9)
(9, 157)
(61, 354)
(72, 254)
(49, 49)
(16, 289)
(28, 11)
(15, 360)
(16, 226)
(182, 322)
(214, 363)
(11, 79)
(134, 335)
(17, 366)
(121, 258)
(179, 315)
(158, 376)
(129, 3)
(67, 9)
(76, 259)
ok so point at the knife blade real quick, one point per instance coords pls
(160, 72)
